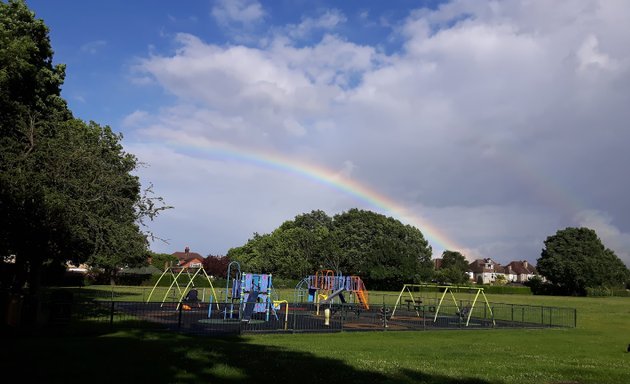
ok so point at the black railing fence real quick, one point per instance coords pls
(87, 316)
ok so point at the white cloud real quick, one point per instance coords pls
(237, 11)
(329, 20)
(93, 47)
(135, 119)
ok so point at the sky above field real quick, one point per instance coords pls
(487, 125)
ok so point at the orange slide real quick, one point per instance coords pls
(362, 294)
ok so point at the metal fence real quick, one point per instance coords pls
(80, 316)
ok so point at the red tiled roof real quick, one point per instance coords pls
(521, 268)
(479, 266)
(185, 257)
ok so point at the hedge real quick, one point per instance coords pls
(505, 289)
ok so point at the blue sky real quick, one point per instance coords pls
(101, 41)
(489, 125)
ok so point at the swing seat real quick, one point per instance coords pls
(192, 297)
(464, 312)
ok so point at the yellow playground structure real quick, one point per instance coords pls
(419, 296)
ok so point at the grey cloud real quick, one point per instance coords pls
(501, 121)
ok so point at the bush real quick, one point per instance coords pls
(605, 291)
(598, 291)
(131, 279)
(540, 287)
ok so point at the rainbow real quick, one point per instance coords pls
(438, 240)
(543, 186)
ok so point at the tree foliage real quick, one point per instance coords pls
(380, 249)
(575, 259)
(162, 260)
(453, 269)
(216, 265)
(67, 192)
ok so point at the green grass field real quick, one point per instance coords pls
(594, 352)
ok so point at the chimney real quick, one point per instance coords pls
(525, 264)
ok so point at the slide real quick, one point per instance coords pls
(335, 294)
(362, 295)
(249, 306)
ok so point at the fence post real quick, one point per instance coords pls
(179, 317)
(111, 315)
(343, 315)
(424, 318)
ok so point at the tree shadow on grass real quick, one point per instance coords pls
(153, 357)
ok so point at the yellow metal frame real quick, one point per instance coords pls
(447, 289)
(190, 282)
(286, 314)
(167, 270)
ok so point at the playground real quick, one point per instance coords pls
(326, 301)
(305, 317)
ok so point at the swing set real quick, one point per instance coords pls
(417, 294)
(178, 273)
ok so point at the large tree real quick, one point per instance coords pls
(67, 192)
(293, 250)
(380, 249)
(384, 251)
(575, 259)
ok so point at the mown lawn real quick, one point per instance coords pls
(594, 352)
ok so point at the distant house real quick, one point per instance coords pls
(485, 271)
(80, 268)
(520, 271)
(189, 259)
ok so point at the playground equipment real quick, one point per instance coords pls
(181, 272)
(256, 292)
(250, 293)
(232, 295)
(417, 295)
(192, 298)
(325, 286)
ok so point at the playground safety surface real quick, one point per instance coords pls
(223, 319)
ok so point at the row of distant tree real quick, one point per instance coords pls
(385, 252)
